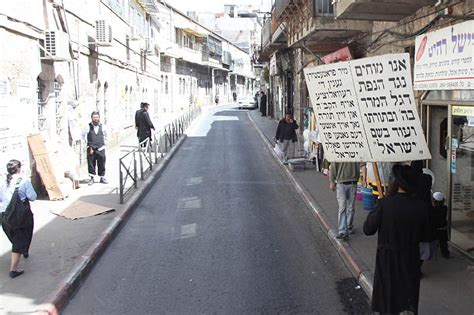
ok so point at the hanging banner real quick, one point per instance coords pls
(444, 59)
(343, 54)
(365, 110)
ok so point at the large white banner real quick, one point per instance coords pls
(444, 58)
(365, 110)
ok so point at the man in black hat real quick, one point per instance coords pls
(143, 123)
(400, 220)
(95, 135)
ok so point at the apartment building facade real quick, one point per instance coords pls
(64, 59)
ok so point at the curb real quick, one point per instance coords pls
(356, 266)
(66, 290)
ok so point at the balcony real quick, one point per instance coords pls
(312, 23)
(379, 10)
(273, 38)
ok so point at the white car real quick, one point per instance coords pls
(246, 102)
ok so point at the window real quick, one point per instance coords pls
(324, 8)
(162, 84)
(166, 85)
(127, 48)
(143, 60)
(156, 100)
(106, 86)
(41, 104)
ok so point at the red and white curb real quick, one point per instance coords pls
(69, 286)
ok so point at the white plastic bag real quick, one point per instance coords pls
(278, 151)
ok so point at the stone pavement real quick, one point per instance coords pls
(63, 250)
(448, 284)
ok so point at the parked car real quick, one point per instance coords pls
(246, 102)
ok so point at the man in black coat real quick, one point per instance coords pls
(143, 123)
(400, 220)
(263, 103)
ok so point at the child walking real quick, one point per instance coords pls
(440, 223)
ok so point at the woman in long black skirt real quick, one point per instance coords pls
(19, 237)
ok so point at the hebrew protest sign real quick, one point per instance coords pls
(365, 110)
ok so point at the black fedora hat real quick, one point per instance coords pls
(406, 177)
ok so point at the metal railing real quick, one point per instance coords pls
(145, 157)
(128, 170)
(141, 158)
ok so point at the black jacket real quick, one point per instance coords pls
(286, 131)
(143, 124)
(400, 221)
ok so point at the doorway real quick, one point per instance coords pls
(461, 162)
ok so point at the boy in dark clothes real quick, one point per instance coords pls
(440, 223)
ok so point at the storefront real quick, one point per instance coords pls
(444, 71)
(448, 118)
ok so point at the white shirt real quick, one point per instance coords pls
(25, 191)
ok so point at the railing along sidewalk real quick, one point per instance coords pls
(128, 170)
(150, 151)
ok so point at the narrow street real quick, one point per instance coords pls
(221, 231)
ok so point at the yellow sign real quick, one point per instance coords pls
(463, 110)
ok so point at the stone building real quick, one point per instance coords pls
(313, 32)
(64, 59)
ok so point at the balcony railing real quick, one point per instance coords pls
(280, 6)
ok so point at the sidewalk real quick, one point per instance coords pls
(63, 249)
(448, 285)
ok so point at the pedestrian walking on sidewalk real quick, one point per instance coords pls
(343, 179)
(286, 136)
(263, 103)
(400, 220)
(440, 222)
(143, 123)
(19, 236)
(429, 244)
(95, 135)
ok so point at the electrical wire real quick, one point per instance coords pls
(31, 26)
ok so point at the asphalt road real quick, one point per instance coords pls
(222, 231)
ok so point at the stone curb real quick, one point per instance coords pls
(66, 290)
(356, 266)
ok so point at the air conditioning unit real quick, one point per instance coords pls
(134, 33)
(56, 45)
(103, 33)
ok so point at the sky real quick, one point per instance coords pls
(214, 5)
